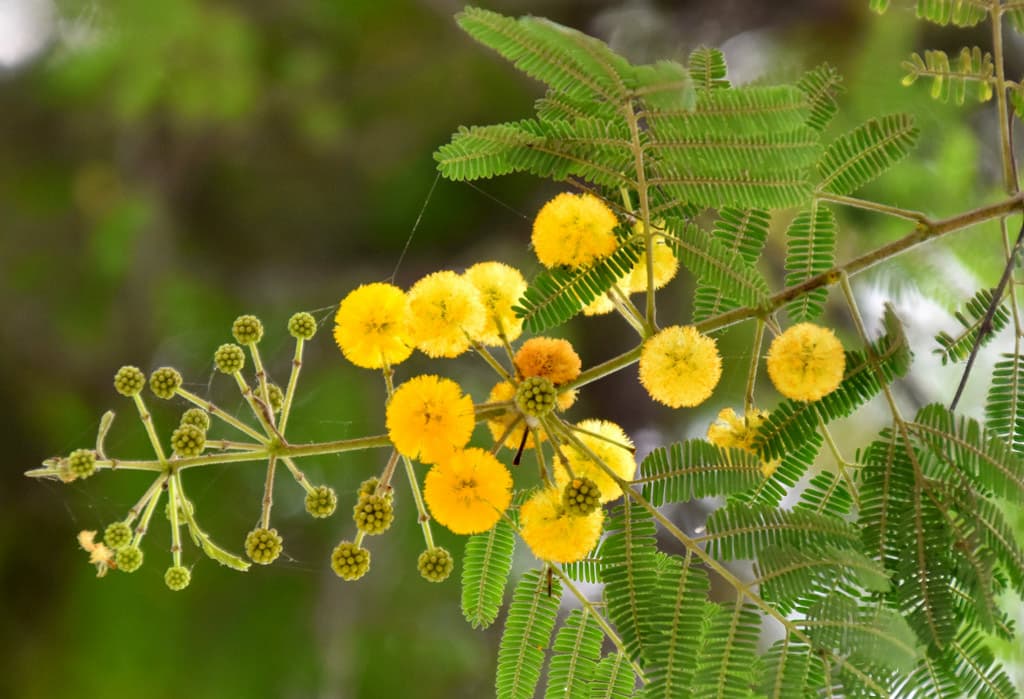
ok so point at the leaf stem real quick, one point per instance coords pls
(225, 416)
(293, 380)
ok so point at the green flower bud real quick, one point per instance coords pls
(197, 417)
(369, 486)
(436, 564)
(117, 535)
(164, 382)
(129, 380)
(274, 393)
(321, 501)
(373, 514)
(247, 330)
(229, 358)
(581, 497)
(177, 578)
(188, 440)
(535, 396)
(302, 326)
(129, 559)
(350, 562)
(183, 512)
(263, 546)
(82, 463)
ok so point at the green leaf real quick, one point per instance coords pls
(716, 265)
(792, 468)
(879, 6)
(486, 565)
(827, 493)
(556, 295)
(740, 111)
(867, 633)
(744, 232)
(788, 576)
(588, 569)
(961, 13)
(528, 627)
(956, 348)
(977, 670)
(613, 678)
(951, 83)
(740, 531)
(821, 85)
(728, 667)
(664, 85)
(1004, 409)
(576, 652)
(694, 469)
(563, 58)
(701, 155)
(863, 154)
(810, 251)
(629, 570)
(708, 69)
(793, 670)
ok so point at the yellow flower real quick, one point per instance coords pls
(731, 430)
(505, 392)
(552, 533)
(603, 304)
(609, 443)
(468, 491)
(680, 367)
(549, 357)
(428, 417)
(574, 230)
(500, 287)
(444, 312)
(665, 267)
(806, 362)
(371, 326)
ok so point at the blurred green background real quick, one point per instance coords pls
(166, 166)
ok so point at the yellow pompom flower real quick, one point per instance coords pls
(444, 312)
(552, 533)
(551, 358)
(603, 304)
(468, 491)
(665, 267)
(371, 326)
(806, 362)
(608, 442)
(575, 230)
(505, 392)
(680, 367)
(428, 417)
(500, 287)
(731, 430)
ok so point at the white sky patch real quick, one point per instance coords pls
(25, 29)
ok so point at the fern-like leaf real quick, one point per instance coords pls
(787, 576)
(556, 295)
(1004, 409)
(613, 678)
(975, 69)
(740, 111)
(728, 667)
(664, 85)
(975, 667)
(810, 250)
(868, 633)
(743, 232)
(486, 565)
(629, 570)
(960, 13)
(693, 469)
(576, 652)
(792, 468)
(528, 627)
(863, 154)
(792, 671)
(956, 348)
(821, 85)
(739, 531)
(998, 536)
(827, 493)
(708, 68)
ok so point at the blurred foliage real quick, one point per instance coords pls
(169, 165)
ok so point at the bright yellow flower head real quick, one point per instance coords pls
(731, 430)
(806, 362)
(552, 533)
(574, 230)
(665, 267)
(500, 287)
(603, 304)
(468, 491)
(444, 312)
(371, 326)
(680, 367)
(609, 443)
(428, 418)
(504, 392)
(552, 358)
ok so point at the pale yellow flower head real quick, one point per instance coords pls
(371, 326)
(680, 367)
(552, 533)
(552, 358)
(428, 418)
(500, 288)
(468, 491)
(575, 230)
(603, 304)
(665, 267)
(444, 312)
(611, 445)
(806, 362)
(731, 430)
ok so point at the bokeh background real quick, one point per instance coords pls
(166, 166)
